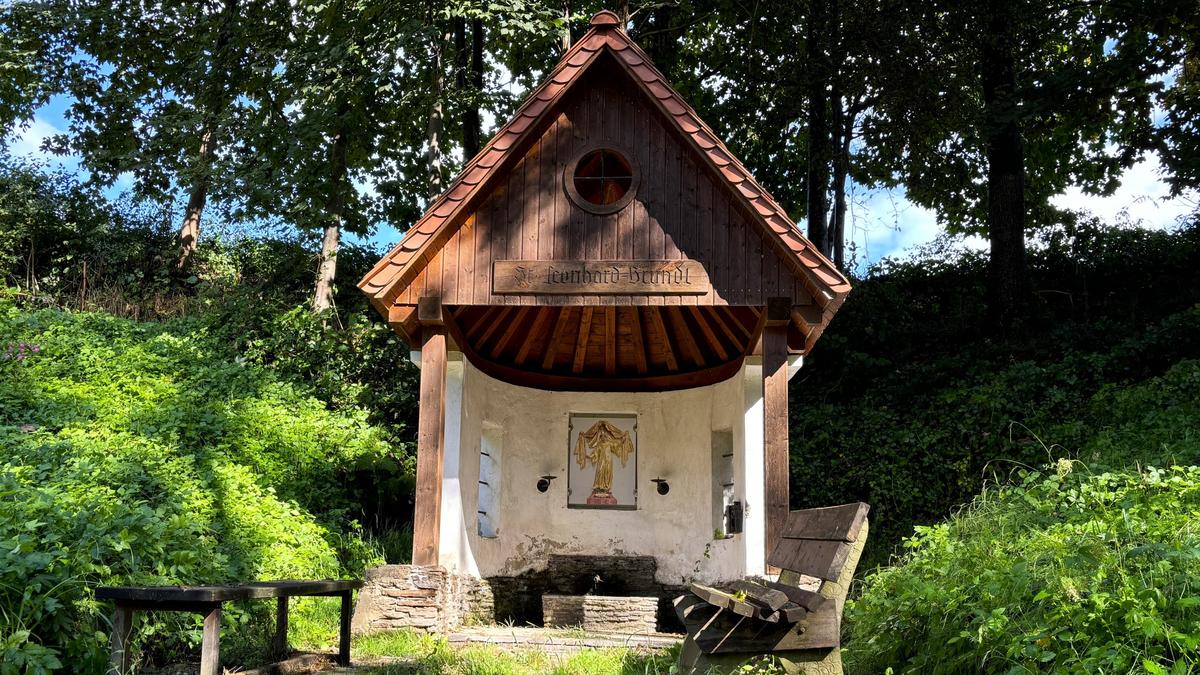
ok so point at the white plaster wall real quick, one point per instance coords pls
(674, 442)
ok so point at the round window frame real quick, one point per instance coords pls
(601, 209)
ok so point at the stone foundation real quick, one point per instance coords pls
(424, 598)
(601, 613)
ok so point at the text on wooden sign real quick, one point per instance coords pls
(600, 277)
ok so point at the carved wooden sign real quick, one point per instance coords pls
(600, 277)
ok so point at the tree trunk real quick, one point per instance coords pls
(818, 126)
(433, 153)
(472, 126)
(837, 216)
(566, 36)
(1006, 167)
(334, 212)
(189, 231)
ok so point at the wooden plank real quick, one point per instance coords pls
(585, 325)
(770, 597)
(517, 323)
(706, 330)
(482, 322)
(121, 659)
(686, 340)
(639, 344)
(495, 324)
(599, 277)
(809, 600)
(728, 634)
(720, 318)
(427, 505)
(210, 645)
(839, 523)
(200, 598)
(720, 599)
(775, 430)
(610, 341)
(814, 557)
(560, 326)
(535, 332)
(656, 322)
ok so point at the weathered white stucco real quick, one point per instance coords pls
(526, 430)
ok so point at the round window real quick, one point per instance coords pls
(601, 180)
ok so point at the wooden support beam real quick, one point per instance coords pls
(509, 331)
(431, 434)
(210, 644)
(807, 316)
(656, 321)
(560, 327)
(686, 340)
(495, 324)
(775, 418)
(279, 645)
(343, 657)
(716, 314)
(709, 336)
(122, 628)
(585, 327)
(639, 344)
(610, 340)
(543, 315)
(483, 321)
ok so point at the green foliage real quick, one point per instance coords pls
(1063, 570)
(937, 404)
(135, 453)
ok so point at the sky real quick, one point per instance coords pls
(880, 223)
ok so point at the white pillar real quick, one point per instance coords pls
(454, 549)
(752, 480)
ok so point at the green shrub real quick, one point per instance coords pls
(136, 454)
(1063, 571)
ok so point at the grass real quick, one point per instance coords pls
(433, 654)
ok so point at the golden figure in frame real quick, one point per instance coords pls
(601, 445)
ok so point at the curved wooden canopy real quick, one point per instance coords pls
(592, 348)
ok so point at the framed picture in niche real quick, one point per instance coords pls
(602, 461)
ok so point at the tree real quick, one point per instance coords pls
(157, 90)
(989, 109)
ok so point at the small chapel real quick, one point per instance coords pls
(606, 309)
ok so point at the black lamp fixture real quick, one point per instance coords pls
(663, 486)
(543, 483)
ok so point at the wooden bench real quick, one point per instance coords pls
(207, 600)
(728, 625)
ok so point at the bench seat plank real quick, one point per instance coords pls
(225, 592)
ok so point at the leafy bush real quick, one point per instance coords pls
(135, 454)
(1063, 571)
(931, 402)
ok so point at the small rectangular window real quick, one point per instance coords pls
(487, 516)
(722, 477)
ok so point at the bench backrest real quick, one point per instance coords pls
(817, 542)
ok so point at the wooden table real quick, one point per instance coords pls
(207, 600)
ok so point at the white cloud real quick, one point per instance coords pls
(28, 141)
(1143, 195)
(885, 223)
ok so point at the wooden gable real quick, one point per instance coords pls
(695, 207)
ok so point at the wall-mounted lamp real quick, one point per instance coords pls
(663, 486)
(543, 483)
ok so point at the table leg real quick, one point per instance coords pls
(344, 639)
(210, 648)
(280, 644)
(122, 628)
